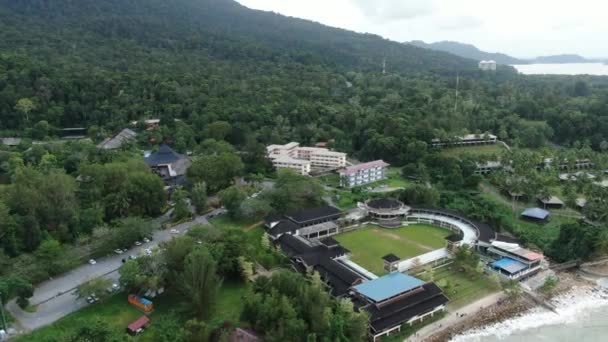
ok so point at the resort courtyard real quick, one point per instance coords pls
(369, 244)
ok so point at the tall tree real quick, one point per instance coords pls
(199, 283)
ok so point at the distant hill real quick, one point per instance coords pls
(565, 58)
(468, 51)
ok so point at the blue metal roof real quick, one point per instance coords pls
(388, 286)
(509, 265)
(536, 213)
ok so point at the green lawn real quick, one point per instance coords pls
(368, 245)
(394, 179)
(117, 313)
(461, 288)
(226, 222)
(481, 150)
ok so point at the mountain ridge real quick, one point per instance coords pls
(471, 51)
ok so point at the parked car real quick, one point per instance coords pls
(137, 243)
(118, 251)
(146, 240)
(132, 257)
(174, 231)
(115, 286)
(148, 251)
(92, 262)
(90, 300)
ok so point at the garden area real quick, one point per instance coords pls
(368, 245)
(463, 288)
(116, 314)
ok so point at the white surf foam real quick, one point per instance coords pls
(571, 307)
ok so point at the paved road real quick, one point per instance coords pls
(55, 298)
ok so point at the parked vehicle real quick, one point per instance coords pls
(90, 300)
(118, 251)
(92, 262)
(146, 240)
(174, 231)
(137, 243)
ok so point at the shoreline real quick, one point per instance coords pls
(493, 309)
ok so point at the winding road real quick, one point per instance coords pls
(56, 298)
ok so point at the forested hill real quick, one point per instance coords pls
(105, 62)
(101, 64)
(221, 28)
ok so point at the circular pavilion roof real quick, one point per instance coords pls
(385, 203)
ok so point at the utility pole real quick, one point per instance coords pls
(2, 311)
(457, 83)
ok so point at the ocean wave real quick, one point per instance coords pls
(573, 306)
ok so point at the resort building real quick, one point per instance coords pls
(169, 165)
(387, 212)
(467, 140)
(324, 257)
(312, 223)
(118, 140)
(487, 167)
(578, 164)
(397, 299)
(11, 142)
(487, 65)
(304, 159)
(515, 262)
(535, 215)
(362, 174)
(391, 300)
(552, 202)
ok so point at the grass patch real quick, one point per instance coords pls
(226, 222)
(539, 235)
(394, 179)
(407, 331)
(368, 245)
(480, 150)
(117, 313)
(31, 308)
(461, 288)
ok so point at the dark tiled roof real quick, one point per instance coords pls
(402, 310)
(384, 203)
(339, 277)
(292, 245)
(330, 242)
(310, 215)
(284, 226)
(391, 258)
(164, 155)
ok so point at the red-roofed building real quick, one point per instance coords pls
(362, 174)
(138, 325)
(528, 262)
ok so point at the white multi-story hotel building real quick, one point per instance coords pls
(303, 159)
(487, 65)
(361, 174)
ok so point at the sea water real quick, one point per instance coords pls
(582, 316)
(563, 69)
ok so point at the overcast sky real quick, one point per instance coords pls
(522, 28)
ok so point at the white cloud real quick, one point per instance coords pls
(391, 10)
(523, 28)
